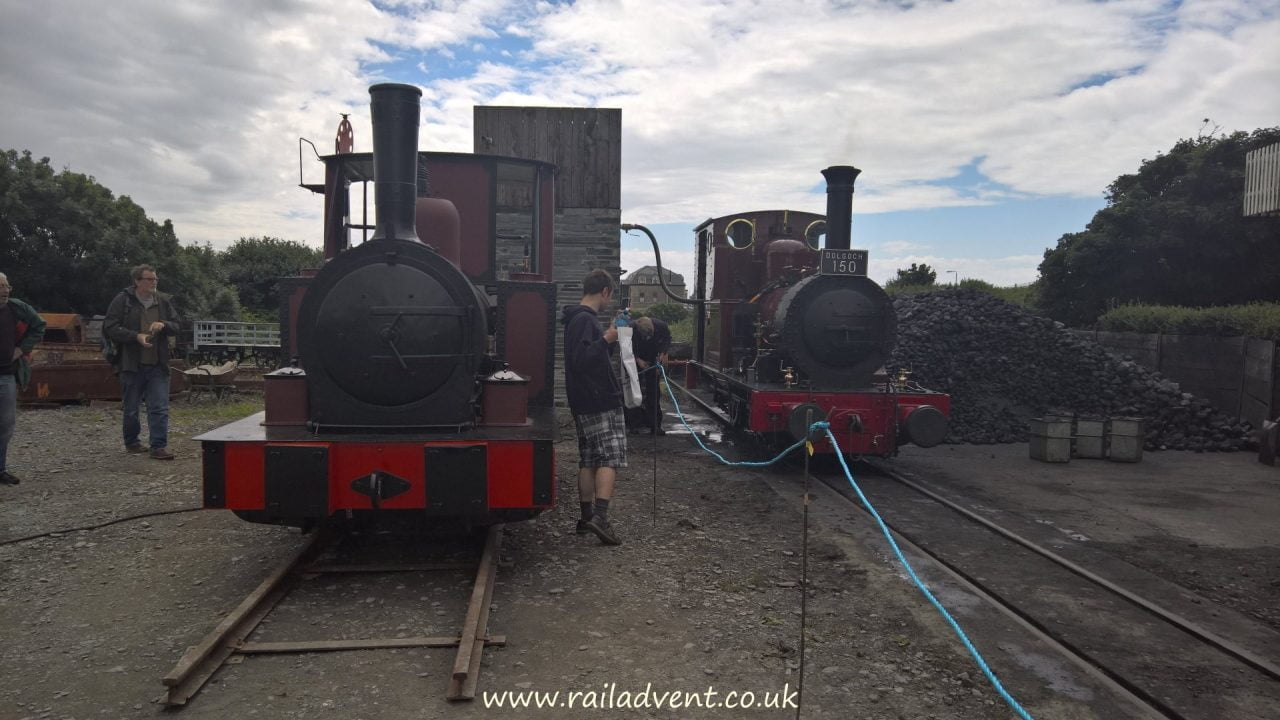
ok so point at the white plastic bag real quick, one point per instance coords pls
(630, 375)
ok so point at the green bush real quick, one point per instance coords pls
(895, 289)
(1021, 295)
(1260, 320)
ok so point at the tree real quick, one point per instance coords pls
(66, 241)
(920, 274)
(255, 264)
(1172, 233)
(197, 277)
(667, 312)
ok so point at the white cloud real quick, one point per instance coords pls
(1001, 271)
(194, 108)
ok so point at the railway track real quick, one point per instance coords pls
(231, 638)
(1166, 652)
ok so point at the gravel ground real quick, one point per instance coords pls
(704, 593)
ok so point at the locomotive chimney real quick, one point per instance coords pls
(839, 204)
(395, 110)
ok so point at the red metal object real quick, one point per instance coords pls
(243, 468)
(510, 472)
(58, 380)
(437, 224)
(63, 328)
(285, 396)
(528, 338)
(346, 140)
(506, 400)
(864, 423)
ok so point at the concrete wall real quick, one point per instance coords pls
(1238, 375)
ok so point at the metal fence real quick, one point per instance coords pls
(215, 333)
(1262, 182)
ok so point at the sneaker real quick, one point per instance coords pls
(603, 530)
(581, 528)
(8, 478)
(161, 454)
(135, 448)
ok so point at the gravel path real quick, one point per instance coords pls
(704, 594)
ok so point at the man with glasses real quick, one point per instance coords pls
(21, 327)
(140, 322)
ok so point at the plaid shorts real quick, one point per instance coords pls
(602, 439)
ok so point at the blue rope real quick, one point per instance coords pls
(679, 414)
(826, 428)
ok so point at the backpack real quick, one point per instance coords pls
(110, 350)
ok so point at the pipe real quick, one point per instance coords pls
(840, 204)
(395, 110)
(657, 254)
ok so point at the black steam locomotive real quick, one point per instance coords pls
(422, 376)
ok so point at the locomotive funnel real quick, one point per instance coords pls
(839, 204)
(395, 110)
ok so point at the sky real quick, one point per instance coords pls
(985, 129)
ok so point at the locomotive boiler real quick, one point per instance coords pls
(421, 377)
(791, 330)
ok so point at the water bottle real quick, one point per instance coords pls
(623, 319)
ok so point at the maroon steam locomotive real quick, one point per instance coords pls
(422, 375)
(791, 331)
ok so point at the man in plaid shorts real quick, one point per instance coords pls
(595, 398)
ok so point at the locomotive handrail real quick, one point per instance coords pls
(314, 149)
(657, 254)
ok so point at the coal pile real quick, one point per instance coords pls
(1003, 365)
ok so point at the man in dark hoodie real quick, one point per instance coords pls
(595, 398)
(140, 320)
(651, 342)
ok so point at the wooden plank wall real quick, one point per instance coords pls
(584, 143)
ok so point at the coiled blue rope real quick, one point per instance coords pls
(826, 428)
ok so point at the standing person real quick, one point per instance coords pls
(21, 327)
(140, 320)
(651, 342)
(595, 399)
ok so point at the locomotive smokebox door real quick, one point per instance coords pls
(391, 334)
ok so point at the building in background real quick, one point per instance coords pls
(641, 289)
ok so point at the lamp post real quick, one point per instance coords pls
(955, 277)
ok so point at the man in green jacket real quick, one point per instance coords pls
(141, 320)
(21, 327)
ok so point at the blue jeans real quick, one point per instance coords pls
(8, 415)
(149, 383)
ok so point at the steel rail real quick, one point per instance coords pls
(1152, 707)
(1187, 626)
(1091, 666)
